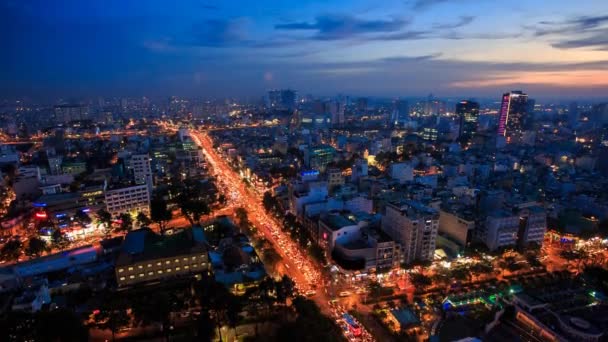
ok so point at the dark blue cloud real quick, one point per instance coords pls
(579, 32)
(596, 41)
(462, 21)
(334, 27)
(219, 33)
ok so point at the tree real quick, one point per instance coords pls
(82, 217)
(126, 222)
(113, 315)
(241, 216)
(271, 257)
(58, 240)
(105, 218)
(191, 202)
(143, 220)
(59, 325)
(310, 323)
(159, 213)
(284, 289)
(420, 280)
(206, 326)
(36, 247)
(11, 250)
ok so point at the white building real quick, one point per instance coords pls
(533, 221)
(500, 230)
(142, 171)
(414, 226)
(305, 193)
(132, 199)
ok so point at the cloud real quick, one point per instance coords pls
(574, 33)
(219, 33)
(597, 41)
(462, 21)
(576, 25)
(335, 27)
(426, 4)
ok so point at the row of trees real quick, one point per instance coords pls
(295, 229)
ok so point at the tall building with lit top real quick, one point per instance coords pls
(468, 114)
(512, 113)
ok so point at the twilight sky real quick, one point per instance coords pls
(212, 48)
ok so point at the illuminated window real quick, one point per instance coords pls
(141, 275)
(122, 278)
(150, 273)
(160, 271)
(158, 263)
(185, 259)
(120, 270)
(186, 267)
(168, 262)
(130, 268)
(149, 265)
(140, 267)
(168, 270)
(194, 257)
(178, 268)
(131, 276)
(176, 260)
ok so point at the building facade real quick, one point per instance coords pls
(414, 226)
(131, 199)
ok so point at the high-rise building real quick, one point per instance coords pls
(573, 114)
(532, 225)
(512, 113)
(67, 113)
(142, 172)
(337, 112)
(414, 226)
(317, 158)
(500, 229)
(400, 113)
(362, 104)
(468, 113)
(284, 99)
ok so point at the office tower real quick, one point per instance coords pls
(400, 113)
(573, 114)
(500, 229)
(532, 225)
(362, 104)
(512, 113)
(413, 226)
(284, 99)
(468, 114)
(337, 113)
(142, 172)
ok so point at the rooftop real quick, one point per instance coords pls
(144, 244)
(337, 222)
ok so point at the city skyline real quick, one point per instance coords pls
(403, 48)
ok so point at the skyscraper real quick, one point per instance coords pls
(512, 113)
(573, 116)
(400, 113)
(284, 99)
(468, 113)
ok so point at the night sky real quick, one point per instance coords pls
(549, 48)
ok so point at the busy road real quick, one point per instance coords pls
(305, 273)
